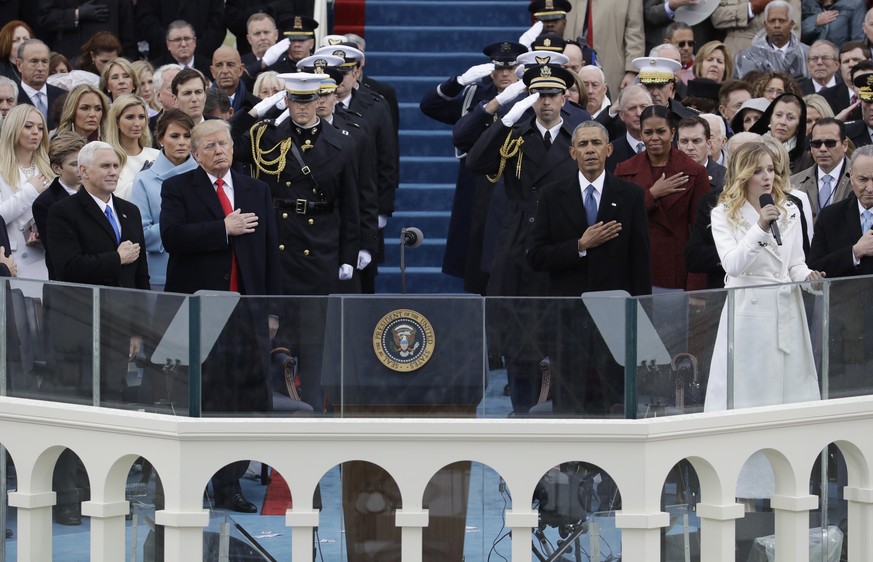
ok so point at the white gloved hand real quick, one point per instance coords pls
(263, 106)
(275, 52)
(364, 258)
(345, 272)
(514, 114)
(528, 36)
(281, 119)
(383, 220)
(475, 73)
(510, 93)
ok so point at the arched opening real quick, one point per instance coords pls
(71, 531)
(679, 498)
(8, 515)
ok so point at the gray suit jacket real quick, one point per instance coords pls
(807, 181)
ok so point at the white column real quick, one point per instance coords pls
(792, 526)
(522, 524)
(860, 530)
(183, 534)
(641, 534)
(34, 524)
(107, 529)
(302, 523)
(411, 524)
(718, 530)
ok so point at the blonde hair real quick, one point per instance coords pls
(706, 50)
(71, 104)
(818, 103)
(113, 133)
(13, 124)
(266, 79)
(125, 66)
(741, 168)
(140, 67)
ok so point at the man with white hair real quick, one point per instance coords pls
(595, 84)
(741, 20)
(8, 96)
(775, 48)
(162, 81)
(718, 137)
(631, 103)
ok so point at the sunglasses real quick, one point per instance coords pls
(817, 143)
(684, 44)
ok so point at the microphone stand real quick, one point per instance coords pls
(403, 261)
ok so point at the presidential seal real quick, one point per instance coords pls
(403, 340)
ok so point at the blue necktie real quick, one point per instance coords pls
(41, 105)
(590, 205)
(114, 224)
(826, 191)
(866, 221)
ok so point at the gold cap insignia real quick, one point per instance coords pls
(550, 5)
(505, 47)
(547, 42)
(298, 22)
(546, 72)
(340, 53)
(543, 60)
(332, 42)
(320, 63)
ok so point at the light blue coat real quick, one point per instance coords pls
(146, 194)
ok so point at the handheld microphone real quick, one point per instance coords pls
(764, 200)
(411, 237)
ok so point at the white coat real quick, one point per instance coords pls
(16, 210)
(773, 361)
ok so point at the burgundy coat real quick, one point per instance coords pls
(671, 217)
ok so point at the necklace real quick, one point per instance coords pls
(30, 170)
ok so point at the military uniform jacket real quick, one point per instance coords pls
(377, 114)
(355, 127)
(312, 245)
(525, 175)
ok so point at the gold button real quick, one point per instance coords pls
(313, 190)
(311, 221)
(284, 215)
(281, 247)
(305, 252)
(287, 184)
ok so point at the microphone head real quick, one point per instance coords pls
(765, 199)
(412, 237)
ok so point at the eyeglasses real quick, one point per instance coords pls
(817, 143)
(683, 44)
(821, 58)
(178, 40)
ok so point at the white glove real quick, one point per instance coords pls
(275, 52)
(383, 220)
(510, 93)
(263, 106)
(528, 36)
(518, 109)
(281, 119)
(364, 258)
(476, 72)
(345, 272)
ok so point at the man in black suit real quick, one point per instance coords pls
(841, 96)
(625, 137)
(842, 247)
(219, 228)
(695, 136)
(33, 65)
(227, 71)
(823, 63)
(591, 233)
(182, 48)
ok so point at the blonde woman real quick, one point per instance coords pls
(25, 172)
(84, 112)
(127, 131)
(118, 78)
(267, 84)
(144, 73)
(713, 61)
(816, 108)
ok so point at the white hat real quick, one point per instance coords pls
(331, 40)
(302, 86)
(350, 55)
(542, 57)
(692, 14)
(656, 70)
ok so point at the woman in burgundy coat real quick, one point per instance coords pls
(674, 185)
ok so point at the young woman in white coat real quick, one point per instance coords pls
(773, 360)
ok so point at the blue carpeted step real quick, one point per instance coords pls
(411, 88)
(428, 169)
(431, 196)
(418, 280)
(411, 117)
(433, 224)
(426, 143)
(429, 254)
(438, 63)
(447, 13)
(435, 39)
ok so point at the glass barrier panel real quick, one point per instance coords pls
(848, 337)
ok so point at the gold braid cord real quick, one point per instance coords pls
(262, 165)
(511, 147)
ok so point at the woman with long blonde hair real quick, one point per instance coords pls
(25, 172)
(127, 131)
(84, 112)
(118, 78)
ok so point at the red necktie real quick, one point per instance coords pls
(590, 36)
(228, 209)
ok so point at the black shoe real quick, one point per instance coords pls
(239, 504)
(68, 515)
(8, 533)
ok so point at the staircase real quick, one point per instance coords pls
(415, 45)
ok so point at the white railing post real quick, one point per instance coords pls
(183, 534)
(34, 524)
(302, 524)
(107, 529)
(522, 524)
(411, 523)
(641, 534)
(860, 516)
(792, 526)
(718, 530)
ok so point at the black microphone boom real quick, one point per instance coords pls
(411, 237)
(764, 200)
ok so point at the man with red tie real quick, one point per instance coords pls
(219, 229)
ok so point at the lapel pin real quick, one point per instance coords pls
(614, 205)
